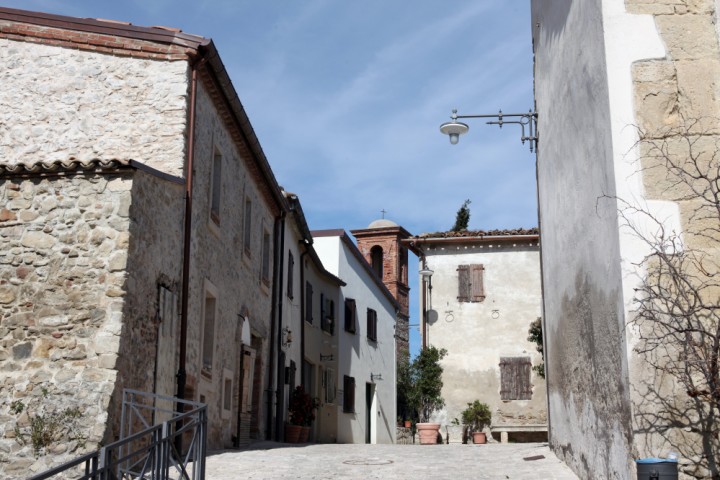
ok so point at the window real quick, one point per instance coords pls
(247, 232)
(227, 394)
(372, 324)
(266, 258)
(470, 283)
(348, 394)
(291, 268)
(327, 314)
(308, 302)
(350, 315)
(329, 384)
(515, 378)
(376, 259)
(216, 188)
(209, 314)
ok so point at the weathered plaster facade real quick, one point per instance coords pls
(479, 333)
(607, 70)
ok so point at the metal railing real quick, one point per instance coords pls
(147, 449)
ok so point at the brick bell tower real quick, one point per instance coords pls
(381, 247)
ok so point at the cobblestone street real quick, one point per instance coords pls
(270, 460)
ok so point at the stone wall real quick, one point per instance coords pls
(220, 257)
(678, 108)
(63, 250)
(58, 103)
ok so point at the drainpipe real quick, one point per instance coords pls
(275, 316)
(182, 373)
(424, 306)
(302, 310)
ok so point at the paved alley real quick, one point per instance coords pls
(269, 460)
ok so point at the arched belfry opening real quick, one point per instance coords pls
(376, 260)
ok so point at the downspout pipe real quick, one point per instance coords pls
(275, 319)
(187, 234)
(303, 318)
(181, 376)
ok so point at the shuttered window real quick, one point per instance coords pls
(348, 394)
(327, 314)
(350, 315)
(471, 286)
(515, 378)
(308, 302)
(291, 270)
(372, 324)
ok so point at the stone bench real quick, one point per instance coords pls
(504, 430)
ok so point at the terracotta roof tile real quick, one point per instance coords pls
(481, 233)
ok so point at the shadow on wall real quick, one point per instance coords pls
(668, 420)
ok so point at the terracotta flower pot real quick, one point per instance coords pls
(479, 437)
(408, 424)
(292, 433)
(428, 433)
(304, 434)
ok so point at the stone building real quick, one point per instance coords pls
(626, 91)
(138, 223)
(478, 304)
(365, 354)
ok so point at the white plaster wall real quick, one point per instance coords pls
(358, 357)
(630, 38)
(477, 334)
(57, 103)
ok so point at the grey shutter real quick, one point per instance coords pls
(463, 283)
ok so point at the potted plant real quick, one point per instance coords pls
(476, 417)
(425, 391)
(302, 414)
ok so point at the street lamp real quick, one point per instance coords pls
(454, 128)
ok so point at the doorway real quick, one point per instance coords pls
(370, 414)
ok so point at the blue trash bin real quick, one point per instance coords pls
(657, 469)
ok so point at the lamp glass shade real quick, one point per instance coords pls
(426, 273)
(454, 129)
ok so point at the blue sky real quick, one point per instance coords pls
(346, 98)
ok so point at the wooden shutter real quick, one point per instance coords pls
(350, 315)
(291, 269)
(463, 283)
(372, 324)
(471, 287)
(476, 279)
(515, 378)
(348, 394)
(308, 302)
